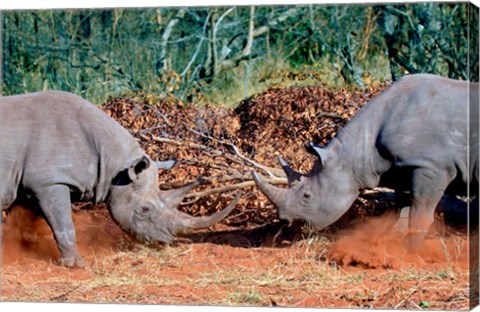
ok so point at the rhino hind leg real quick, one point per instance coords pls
(54, 201)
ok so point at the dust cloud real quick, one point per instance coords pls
(26, 236)
(374, 244)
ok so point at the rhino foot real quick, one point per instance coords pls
(414, 240)
(71, 262)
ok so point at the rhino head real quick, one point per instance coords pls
(148, 213)
(321, 196)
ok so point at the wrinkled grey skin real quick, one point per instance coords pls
(413, 138)
(57, 147)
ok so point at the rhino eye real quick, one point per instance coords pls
(307, 195)
(143, 210)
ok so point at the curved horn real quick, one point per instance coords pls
(292, 175)
(277, 196)
(185, 221)
(174, 197)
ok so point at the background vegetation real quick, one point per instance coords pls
(225, 54)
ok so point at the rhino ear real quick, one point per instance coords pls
(128, 175)
(122, 178)
(316, 150)
(138, 167)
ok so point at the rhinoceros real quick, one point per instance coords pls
(56, 147)
(419, 137)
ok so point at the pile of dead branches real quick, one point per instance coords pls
(224, 145)
(281, 121)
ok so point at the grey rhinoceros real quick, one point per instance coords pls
(56, 147)
(419, 137)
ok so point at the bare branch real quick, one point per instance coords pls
(251, 28)
(272, 172)
(274, 23)
(253, 32)
(233, 187)
(166, 35)
(219, 21)
(199, 45)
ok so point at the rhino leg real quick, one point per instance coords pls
(428, 187)
(55, 204)
(401, 226)
(403, 203)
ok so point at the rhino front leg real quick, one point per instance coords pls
(56, 207)
(428, 187)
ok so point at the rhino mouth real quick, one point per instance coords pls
(285, 199)
(160, 220)
(278, 196)
(163, 226)
(303, 199)
(282, 198)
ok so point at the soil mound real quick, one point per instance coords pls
(207, 140)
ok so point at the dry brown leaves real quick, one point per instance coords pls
(201, 139)
(281, 121)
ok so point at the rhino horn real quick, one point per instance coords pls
(277, 196)
(185, 221)
(175, 197)
(292, 175)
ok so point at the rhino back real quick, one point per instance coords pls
(59, 138)
(420, 121)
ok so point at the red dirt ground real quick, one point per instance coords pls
(363, 266)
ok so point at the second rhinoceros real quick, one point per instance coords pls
(419, 137)
(56, 147)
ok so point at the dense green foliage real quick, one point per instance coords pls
(228, 53)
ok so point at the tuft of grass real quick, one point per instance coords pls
(250, 296)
